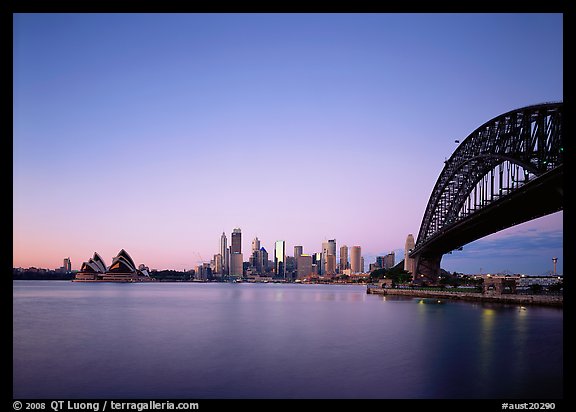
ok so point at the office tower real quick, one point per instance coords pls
(225, 254)
(355, 259)
(218, 264)
(236, 264)
(67, 266)
(236, 242)
(280, 258)
(298, 251)
(316, 260)
(255, 244)
(408, 247)
(263, 268)
(304, 263)
(343, 258)
(330, 265)
(389, 260)
(328, 248)
(361, 264)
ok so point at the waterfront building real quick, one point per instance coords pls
(122, 269)
(330, 265)
(217, 269)
(290, 267)
(236, 242)
(263, 261)
(236, 264)
(280, 258)
(355, 259)
(225, 254)
(343, 258)
(389, 260)
(408, 247)
(304, 263)
(298, 250)
(361, 264)
(66, 266)
(203, 272)
(316, 260)
(328, 248)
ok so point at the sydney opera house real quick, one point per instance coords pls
(122, 269)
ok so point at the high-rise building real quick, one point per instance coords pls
(316, 259)
(389, 260)
(330, 265)
(408, 247)
(67, 266)
(280, 258)
(225, 254)
(236, 264)
(304, 263)
(255, 244)
(343, 258)
(217, 264)
(298, 251)
(356, 259)
(236, 242)
(263, 265)
(328, 248)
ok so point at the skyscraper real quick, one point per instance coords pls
(298, 251)
(67, 265)
(389, 260)
(408, 247)
(263, 268)
(225, 254)
(330, 264)
(236, 264)
(328, 248)
(236, 242)
(355, 259)
(304, 266)
(217, 264)
(316, 259)
(255, 244)
(343, 258)
(280, 258)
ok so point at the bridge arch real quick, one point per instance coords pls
(511, 159)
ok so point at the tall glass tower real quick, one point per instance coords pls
(280, 258)
(225, 254)
(236, 242)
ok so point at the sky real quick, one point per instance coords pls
(157, 132)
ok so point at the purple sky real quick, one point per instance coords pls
(156, 133)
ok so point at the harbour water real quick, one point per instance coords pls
(196, 341)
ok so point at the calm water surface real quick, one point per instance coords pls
(190, 340)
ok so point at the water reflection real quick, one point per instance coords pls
(249, 341)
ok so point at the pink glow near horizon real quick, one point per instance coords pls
(164, 130)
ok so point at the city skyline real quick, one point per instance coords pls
(303, 127)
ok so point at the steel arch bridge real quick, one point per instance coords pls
(506, 172)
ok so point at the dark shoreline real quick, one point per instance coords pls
(543, 300)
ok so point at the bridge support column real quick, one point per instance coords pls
(427, 268)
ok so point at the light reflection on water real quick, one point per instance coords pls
(188, 340)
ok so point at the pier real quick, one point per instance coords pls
(546, 300)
